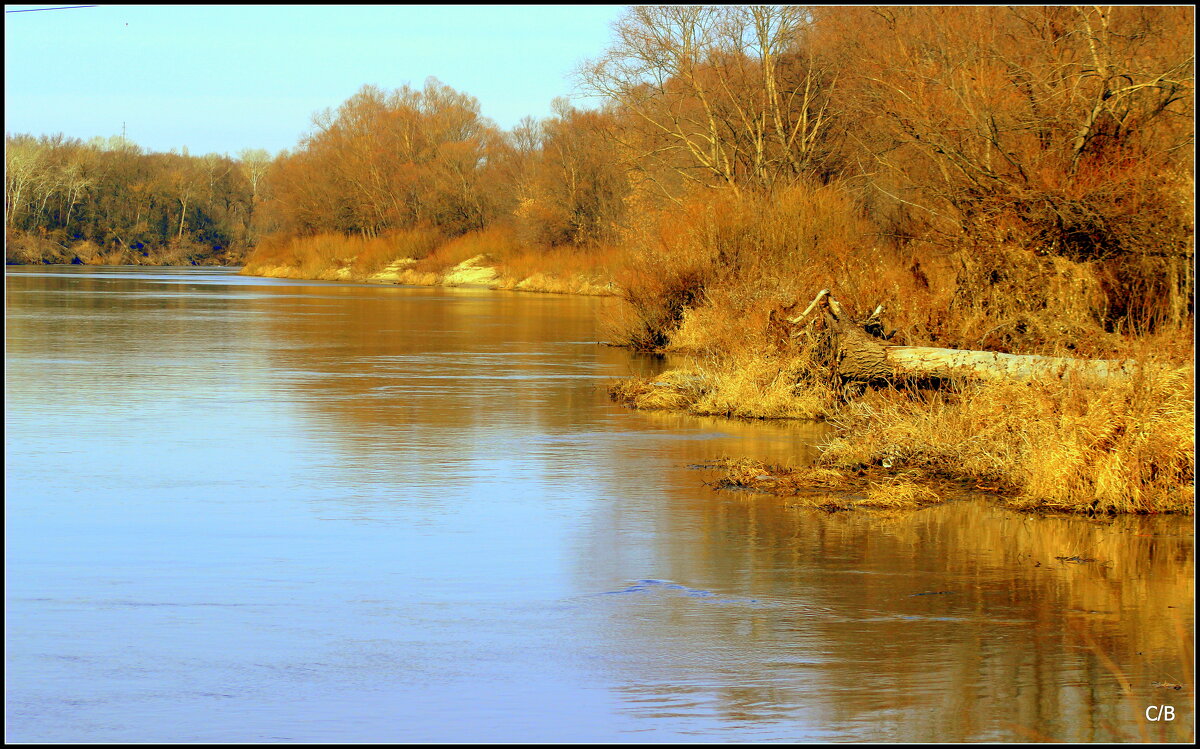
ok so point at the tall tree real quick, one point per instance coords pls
(719, 95)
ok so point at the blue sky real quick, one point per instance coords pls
(219, 78)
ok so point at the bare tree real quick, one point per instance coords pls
(718, 95)
(1045, 114)
(27, 178)
(254, 163)
(76, 182)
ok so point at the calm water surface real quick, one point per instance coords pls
(250, 510)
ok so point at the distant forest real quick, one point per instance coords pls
(109, 201)
(978, 154)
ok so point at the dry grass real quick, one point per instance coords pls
(560, 270)
(673, 390)
(27, 248)
(1059, 445)
(337, 257)
(721, 262)
(444, 255)
(306, 257)
(1056, 445)
(753, 387)
(702, 277)
(373, 255)
(764, 387)
(710, 274)
(899, 493)
(415, 278)
(751, 474)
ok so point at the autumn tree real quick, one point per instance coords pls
(385, 161)
(573, 185)
(718, 95)
(1068, 131)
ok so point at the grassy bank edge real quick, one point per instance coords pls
(491, 258)
(1045, 445)
(474, 273)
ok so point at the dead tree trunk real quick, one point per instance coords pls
(861, 357)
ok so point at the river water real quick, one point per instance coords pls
(253, 510)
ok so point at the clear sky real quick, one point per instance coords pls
(220, 78)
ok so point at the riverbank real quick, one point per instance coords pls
(1048, 444)
(1060, 445)
(727, 288)
(25, 248)
(1057, 444)
(490, 259)
(477, 272)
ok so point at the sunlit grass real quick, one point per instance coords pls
(1056, 445)
(763, 387)
(423, 256)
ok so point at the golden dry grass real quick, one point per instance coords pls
(749, 387)
(337, 257)
(763, 387)
(718, 264)
(372, 255)
(1054, 445)
(674, 390)
(752, 474)
(444, 255)
(560, 270)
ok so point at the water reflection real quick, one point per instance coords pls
(380, 513)
(955, 623)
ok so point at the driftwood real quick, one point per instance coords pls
(862, 356)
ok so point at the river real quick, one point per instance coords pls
(255, 510)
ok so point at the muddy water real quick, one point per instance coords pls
(249, 510)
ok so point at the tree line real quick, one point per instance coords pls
(994, 145)
(108, 200)
(389, 161)
(984, 151)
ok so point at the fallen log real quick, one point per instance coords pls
(859, 356)
(943, 362)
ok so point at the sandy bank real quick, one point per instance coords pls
(476, 272)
